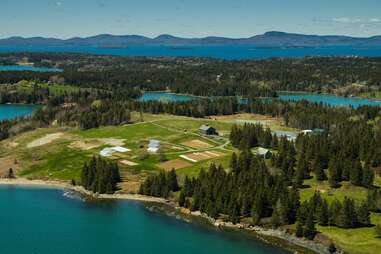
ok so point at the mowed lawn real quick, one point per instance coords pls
(193, 124)
(143, 131)
(356, 241)
(346, 190)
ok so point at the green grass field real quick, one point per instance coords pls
(62, 159)
(359, 240)
(54, 88)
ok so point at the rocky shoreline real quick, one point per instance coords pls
(268, 235)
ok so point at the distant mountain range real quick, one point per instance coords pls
(269, 39)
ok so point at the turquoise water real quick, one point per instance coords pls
(44, 221)
(165, 97)
(14, 111)
(27, 68)
(328, 99)
(229, 52)
(323, 98)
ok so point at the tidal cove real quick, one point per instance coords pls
(45, 221)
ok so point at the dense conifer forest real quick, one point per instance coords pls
(100, 176)
(344, 75)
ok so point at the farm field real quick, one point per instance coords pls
(58, 153)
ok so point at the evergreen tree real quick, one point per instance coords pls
(319, 171)
(322, 213)
(367, 176)
(310, 230)
(172, 181)
(299, 230)
(332, 248)
(355, 173)
(234, 163)
(182, 199)
(363, 214)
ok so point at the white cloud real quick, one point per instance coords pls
(351, 25)
(375, 20)
(58, 4)
(347, 20)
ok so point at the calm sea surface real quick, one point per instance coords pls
(229, 52)
(14, 111)
(44, 221)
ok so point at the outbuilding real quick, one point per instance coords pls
(208, 130)
(264, 153)
(153, 146)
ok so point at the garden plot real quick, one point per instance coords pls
(174, 164)
(197, 144)
(200, 156)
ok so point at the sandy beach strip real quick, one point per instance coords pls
(79, 189)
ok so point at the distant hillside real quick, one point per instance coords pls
(269, 39)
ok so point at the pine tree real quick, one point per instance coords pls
(333, 174)
(11, 174)
(367, 176)
(182, 199)
(299, 230)
(172, 181)
(310, 230)
(234, 163)
(363, 214)
(257, 209)
(355, 173)
(319, 171)
(332, 248)
(322, 212)
(275, 220)
(347, 217)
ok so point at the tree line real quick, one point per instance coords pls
(100, 176)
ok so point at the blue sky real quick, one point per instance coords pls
(188, 18)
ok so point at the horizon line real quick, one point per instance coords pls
(184, 37)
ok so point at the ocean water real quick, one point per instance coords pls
(228, 52)
(44, 221)
(14, 111)
(27, 68)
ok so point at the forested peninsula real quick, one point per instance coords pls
(227, 153)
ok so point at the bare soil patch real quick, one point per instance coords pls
(47, 139)
(174, 164)
(128, 163)
(250, 118)
(85, 145)
(91, 143)
(112, 141)
(130, 187)
(197, 144)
